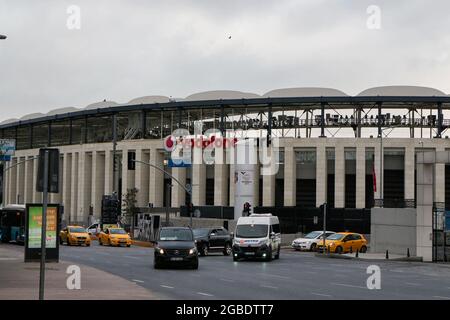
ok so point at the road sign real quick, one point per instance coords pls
(7, 149)
(179, 163)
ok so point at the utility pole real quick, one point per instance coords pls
(324, 226)
(44, 228)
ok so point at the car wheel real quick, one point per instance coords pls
(100, 241)
(363, 249)
(88, 245)
(313, 247)
(205, 250)
(338, 250)
(61, 241)
(128, 245)
(227, 251)
(195, 265)
(156, 265)
(109, 242)
(68, 242)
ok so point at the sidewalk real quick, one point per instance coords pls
(20, 281)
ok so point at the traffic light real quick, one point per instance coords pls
(247, 209)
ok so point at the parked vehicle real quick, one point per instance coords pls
(344, 242)
(114, 237)
(74, 235)
(176, 246)
(310, 241)
(257, 236)
(213, 240)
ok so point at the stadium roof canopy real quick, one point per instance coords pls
(400, 97)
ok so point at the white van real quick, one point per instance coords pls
(257, 236)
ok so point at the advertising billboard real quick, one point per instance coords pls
(33, 232)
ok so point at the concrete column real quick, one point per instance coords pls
(290, 177)
(156, 178)
(269, 170)
(178, 193)
(339, 177)
(360, 177)
(74, 187)
(128, 176)
(409, 172)
(37, 196)
(439, 180)
(377, 164)
(198, 178)
(269, 190)
(67, 186)
(221, 177)
(109, 172)
(321, 175)
(142, 177)
(98, 181)
(28, 195)
(12, 182)
(20, 181)
(232, 185)
(424, 211)
(84, 186)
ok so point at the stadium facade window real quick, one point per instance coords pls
(330, 176)
(129, 125)
(78, 131)
(279, 181)
(60, 133)
(99, 129)
(350, 177)
(40, 135)
(153, 124)
(23, 137)
(167, 122)
(10, 133)
(370, 170)
(394, 177)
(306, 177)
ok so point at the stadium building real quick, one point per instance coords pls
(352, 152)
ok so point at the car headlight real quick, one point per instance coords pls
(193, 251)
(159, 250)
(331, 244)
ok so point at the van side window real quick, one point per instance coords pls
(276, 228)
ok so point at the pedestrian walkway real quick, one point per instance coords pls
(20, 281)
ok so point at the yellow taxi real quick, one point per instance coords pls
(74, 235)
(114, 237)
(343, 242)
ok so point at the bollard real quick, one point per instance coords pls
(357, 253)
(387, 254)
(407, 253)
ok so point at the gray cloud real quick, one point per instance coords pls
(127, 49)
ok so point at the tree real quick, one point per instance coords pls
(130, 203)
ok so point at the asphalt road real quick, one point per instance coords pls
(295, 276)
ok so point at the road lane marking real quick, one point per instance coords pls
(412, 284)
(274, 276)
(440, 297)
(347, 285)
(321, 295)
(270, 287)
(8, 259)
(139, 281)
(205, 294)
(226, 280)
(167, 287)
(131, 257)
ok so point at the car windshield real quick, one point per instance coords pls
(252, 230)
(336, 236)
(117, 231)
(175, 235)
(77, 230)
(198, 233)
(313, 235)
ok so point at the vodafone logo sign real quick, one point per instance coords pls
(169, 143)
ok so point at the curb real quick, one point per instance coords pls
(337, 256)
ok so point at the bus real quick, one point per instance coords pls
(12, 224)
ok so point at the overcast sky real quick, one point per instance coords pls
(128, 49)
